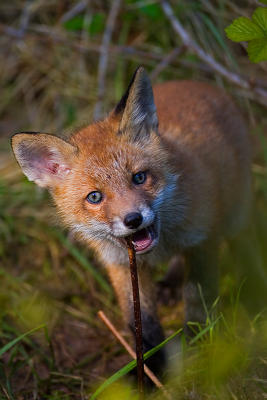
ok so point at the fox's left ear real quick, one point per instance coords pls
(43, 158)
(136, 108)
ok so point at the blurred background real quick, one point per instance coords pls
(63, 64)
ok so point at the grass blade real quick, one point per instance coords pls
(8, 346)
(129, 367)
(82, 260)
(204, 331)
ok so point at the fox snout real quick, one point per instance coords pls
(128, 222)
(141, 225)
(133, 220)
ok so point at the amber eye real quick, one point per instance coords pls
(139, 178)
(94, 197)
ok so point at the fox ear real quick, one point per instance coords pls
(137, 108)
(43, 158)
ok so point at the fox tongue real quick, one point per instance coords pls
(142, 239)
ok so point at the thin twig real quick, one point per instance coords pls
(85, 38)
(260, 3)
(103, 59)
(58, 37)
(255, 86)
(132, 353)
(24, 19)
(137, 318)
(207, 58)
(175, 53)
(77, 9)
(191, 44)
(5, 392)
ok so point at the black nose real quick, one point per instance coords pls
(133, 220)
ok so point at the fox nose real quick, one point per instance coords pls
(133, 220)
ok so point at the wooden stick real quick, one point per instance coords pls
(137, 318)
(132, 353)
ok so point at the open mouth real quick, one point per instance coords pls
(144, 239)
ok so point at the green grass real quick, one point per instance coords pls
(48, 279)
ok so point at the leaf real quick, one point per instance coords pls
(8, 346)
(152, 10)
(129, 367)
(263, 1)
(257, 50)
(260, 18)
(97, 23)
(74, 24)
(243, 29)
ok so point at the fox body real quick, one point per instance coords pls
(172, 170)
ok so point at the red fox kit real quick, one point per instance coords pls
(173, 172)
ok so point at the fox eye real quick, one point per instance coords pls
(139, 178)
(94, 197)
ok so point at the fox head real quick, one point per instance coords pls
(111, 178)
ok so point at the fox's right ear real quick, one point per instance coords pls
(44, 159)
(136, 109)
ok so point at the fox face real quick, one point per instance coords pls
(114, 194)
(112, 178)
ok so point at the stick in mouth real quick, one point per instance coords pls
(137, 317)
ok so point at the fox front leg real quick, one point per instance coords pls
(151, 329)
(201, 286)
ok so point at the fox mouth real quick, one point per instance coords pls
(145, 239)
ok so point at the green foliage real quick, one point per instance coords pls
(95, 26)
(119, 391)
(219, 354)
(215, 31)
(74, 251)
(12, 343)
(257, 50)
(243, 29)
(153, 11)
(131, 365)
(75, 24)
(254, 31)
(260, 18)
(97, 23)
